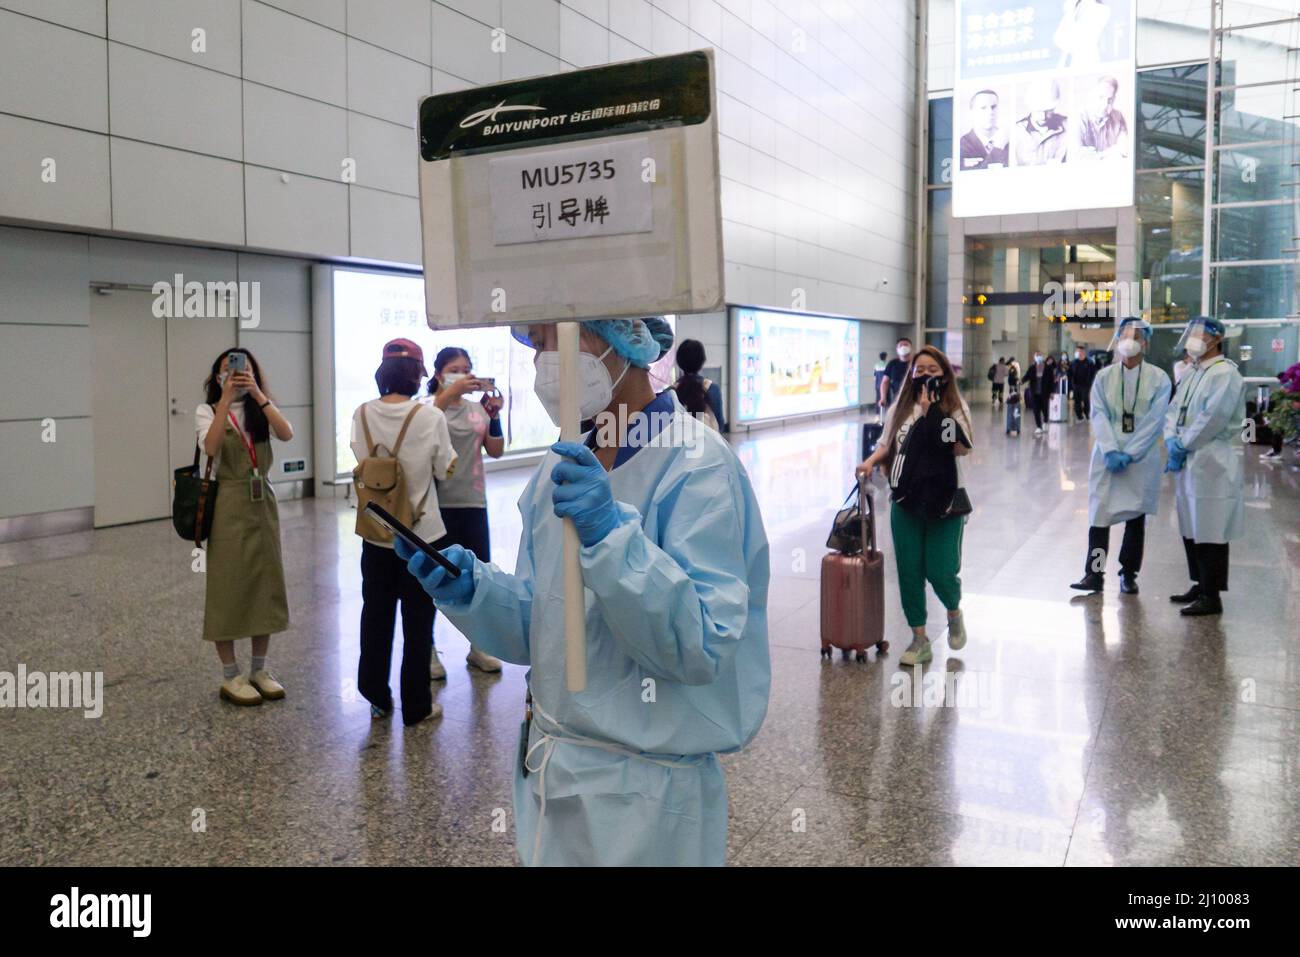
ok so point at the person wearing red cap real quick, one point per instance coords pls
(425, 453)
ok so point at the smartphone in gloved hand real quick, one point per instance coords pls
(384, 518)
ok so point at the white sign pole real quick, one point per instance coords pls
(575, 606)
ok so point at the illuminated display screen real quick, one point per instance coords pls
(370, 308)
(1043, 106)
(787, 364)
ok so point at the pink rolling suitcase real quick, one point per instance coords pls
(853, 586)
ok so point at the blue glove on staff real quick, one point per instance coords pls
(582, 493)
(434, 578)
(1117, 461)
(1177, 454)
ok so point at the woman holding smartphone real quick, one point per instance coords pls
(926, 430)
(245, 572)
(475, 428)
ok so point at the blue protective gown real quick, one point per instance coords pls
(677, 657)
(1209, 487)
(1119, 496)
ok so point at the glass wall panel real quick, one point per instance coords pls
(1255, 232)
(1170, 230)
(1255, 292)
(1171, 117)
(1250, 173)
(940, 171)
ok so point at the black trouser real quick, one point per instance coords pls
(1082, 404)
(997, 392)
(1130, 549)
(1207, 564)
(468, 528)
(384, 582)
(1038, 402)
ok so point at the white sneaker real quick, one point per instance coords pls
(238, 691)
(1038, 430)
(482, 661)
(957, 632)
(917, 653)
(265, 683)
(436, 671)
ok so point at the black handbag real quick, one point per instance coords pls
(847, 528)
(194, 501)
(960, 504)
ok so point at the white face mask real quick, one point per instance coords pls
(1038, 358)
(1195, 347)
(1128, 348)
(451, 378)
(595, 390)
(904, 351)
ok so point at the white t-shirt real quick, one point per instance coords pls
(203, 416)
(426, 453)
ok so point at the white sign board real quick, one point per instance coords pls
(1043, 106)
(595, 190)
(586, 194)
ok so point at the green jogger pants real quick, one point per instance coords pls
(926, 549)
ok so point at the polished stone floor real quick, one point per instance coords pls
(1069, 731)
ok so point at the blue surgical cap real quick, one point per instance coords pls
(639, 341)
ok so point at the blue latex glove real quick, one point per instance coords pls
(1117, 461)
(1177, 454)
(434, 578)
(582, 493)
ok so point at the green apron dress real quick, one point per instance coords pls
(245, 590)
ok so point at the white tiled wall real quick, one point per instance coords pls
(174, 119)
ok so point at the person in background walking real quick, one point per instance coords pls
(880, 373)
(475, 428)
(999, 382)
(1082, 372)
(895, 373)
(1040, 381)
(701, 397)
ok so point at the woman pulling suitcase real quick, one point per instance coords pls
(926, 430)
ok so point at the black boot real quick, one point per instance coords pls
(1092, 582)
(1128, 583)
(1188, 596)
(1206, 604)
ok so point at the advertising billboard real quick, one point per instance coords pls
(792, 363)
(1043, 106)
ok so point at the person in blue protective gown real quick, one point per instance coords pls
(675, 563)
(1128, 403)
(1201, 432)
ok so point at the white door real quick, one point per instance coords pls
(129, 390)
(192, 345)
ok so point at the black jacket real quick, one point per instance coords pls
(1082, 372)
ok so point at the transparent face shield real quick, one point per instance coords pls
(1130, 339)
(1200, 334)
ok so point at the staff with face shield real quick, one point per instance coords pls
(1128, 399)
(675, 563)
(1200, 428)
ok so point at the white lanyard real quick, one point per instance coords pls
(547, 741)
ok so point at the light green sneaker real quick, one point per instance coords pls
(917, 653)
(957, 632)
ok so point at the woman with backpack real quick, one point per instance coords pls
(397, 427)
(475, 428)
(927, 429)
(701, 397)
(245, 594)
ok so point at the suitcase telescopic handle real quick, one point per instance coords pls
(866, 507)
